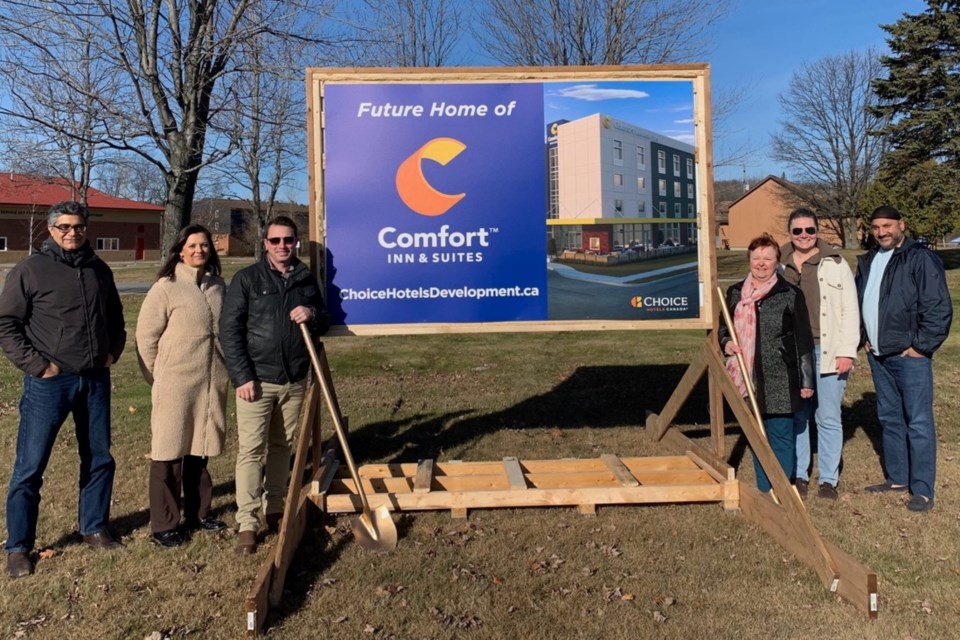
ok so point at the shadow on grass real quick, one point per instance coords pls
(126, 524)
(592, 397)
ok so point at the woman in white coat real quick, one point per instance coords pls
(831, 295)
(179, 350)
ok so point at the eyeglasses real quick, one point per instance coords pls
(66, 228)
(810, 231)
(286, 240)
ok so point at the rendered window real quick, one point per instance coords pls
(641, 158)
(618, 206)
(662, 184)
(676, 209)
(641, 183)
(641, 206)
(690, 210)
(690, 190)
(618, 179)
(676, 189)
(663, 208)
(662, 161)
(689, 167)
(676, 165)
(618, 151)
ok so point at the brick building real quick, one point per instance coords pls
(234, 227)
(120, 230)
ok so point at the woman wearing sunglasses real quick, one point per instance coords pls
(180, 356)
(827, 283)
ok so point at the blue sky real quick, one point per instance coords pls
(665, 107)
(760, 44)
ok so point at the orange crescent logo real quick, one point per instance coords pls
(412, 185)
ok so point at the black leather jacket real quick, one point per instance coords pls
(259, 340)
(61, 308)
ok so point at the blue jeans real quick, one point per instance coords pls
(825, 405)
(44, 407)
(783, 440)
(905, 408)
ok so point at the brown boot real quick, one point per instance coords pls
(19, 564)
(247, 543)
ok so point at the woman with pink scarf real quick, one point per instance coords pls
(773, 331)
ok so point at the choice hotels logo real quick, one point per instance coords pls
(412, 185)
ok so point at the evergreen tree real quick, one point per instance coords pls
(920, 96)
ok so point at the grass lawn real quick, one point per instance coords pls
(667, 572)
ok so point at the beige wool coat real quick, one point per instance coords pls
(178, 345)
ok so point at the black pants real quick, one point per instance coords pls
(168, 478)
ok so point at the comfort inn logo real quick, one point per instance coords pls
(412, 185)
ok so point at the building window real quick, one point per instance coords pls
(690, 167)
(641, 183)
(676, 209)
(676, 165)
(662, 161)
(3, 243)
(663, 208)
(690, 212)
(690, 190)
(618, 207)
(641, 158)
(662, 187)
(642, 206)
(108, 244)
(691, 234)
(618, 180)
(676, 189)
(618, 152)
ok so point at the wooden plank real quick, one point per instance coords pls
(458, 513)
(857, 583)
(514, 474)
(424, 477)
(293, 532)
(619, 470)
(587, 509)
(257, 603)
(712, 492)
(713, 473)
(681, 443)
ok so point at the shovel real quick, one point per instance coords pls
(374, 528)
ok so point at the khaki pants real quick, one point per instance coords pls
(266, 429)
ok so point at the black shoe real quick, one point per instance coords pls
(828, 491)
(101, 540)
(207, 524)
(920, 503)
(274, 522)
(886, 486)
(19, 564)
(803, 486)
(167, 539)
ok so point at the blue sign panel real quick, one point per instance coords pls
(435, 202)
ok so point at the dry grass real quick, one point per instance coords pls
(671, 572)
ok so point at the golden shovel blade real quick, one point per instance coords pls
(375, 530)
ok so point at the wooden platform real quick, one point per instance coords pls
(512, 482)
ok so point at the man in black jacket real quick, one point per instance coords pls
(268, 364)
(61, 323)
(906, 314)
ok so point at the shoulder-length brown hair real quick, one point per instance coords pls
(169, 268)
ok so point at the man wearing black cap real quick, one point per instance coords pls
(906, 314)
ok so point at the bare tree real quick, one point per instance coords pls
(130, 176)
(50, 125)
(167, 59)
(405, 33)
(825, 135)
(589, 32)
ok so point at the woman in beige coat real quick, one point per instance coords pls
(179, 350)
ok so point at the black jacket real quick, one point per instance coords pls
(62, 308)
(915, 308)
(259, 340)
(783, 362)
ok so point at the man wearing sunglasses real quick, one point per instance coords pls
(907, 312)
(268, 364)
(828, 287)
(61, 323)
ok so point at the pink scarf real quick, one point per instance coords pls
(745, 328)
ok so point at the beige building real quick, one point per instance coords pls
(765, 209)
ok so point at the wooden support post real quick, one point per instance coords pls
(619, 470)
(514, 473)
(424, 477)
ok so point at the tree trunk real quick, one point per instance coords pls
(851, 239)
(178, 208)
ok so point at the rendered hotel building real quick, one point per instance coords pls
(611, 183)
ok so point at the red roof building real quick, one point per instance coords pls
(119, 229)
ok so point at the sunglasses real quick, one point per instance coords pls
(66, 228)
(810, 231)
(286, 240)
